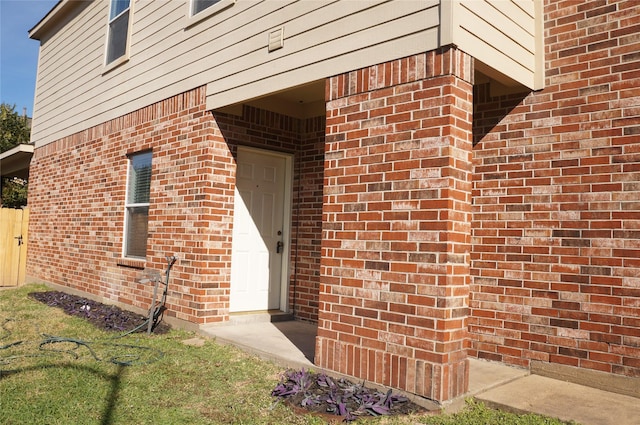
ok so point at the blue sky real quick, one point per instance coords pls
(18, 53)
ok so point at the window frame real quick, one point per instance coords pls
(131, 205)
(193, 19)
(115, 62)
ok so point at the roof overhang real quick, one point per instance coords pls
(15, 162)
(60, 10)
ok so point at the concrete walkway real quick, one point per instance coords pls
(515, 390)
(292, 344)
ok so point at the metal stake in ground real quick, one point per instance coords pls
(155, 313)
(153, 305)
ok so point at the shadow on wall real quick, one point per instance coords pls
(489, 111)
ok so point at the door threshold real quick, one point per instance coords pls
(244, 317)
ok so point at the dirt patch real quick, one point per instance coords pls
(103, 316)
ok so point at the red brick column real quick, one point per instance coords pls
(396, 224)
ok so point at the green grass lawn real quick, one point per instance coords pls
(164, 381)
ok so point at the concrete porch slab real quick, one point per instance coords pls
(289, 344)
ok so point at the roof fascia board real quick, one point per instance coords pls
(50, 19)
(16, 150)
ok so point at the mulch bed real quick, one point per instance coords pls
(103, 316)
(339, 399)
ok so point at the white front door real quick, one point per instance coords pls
(258, 231)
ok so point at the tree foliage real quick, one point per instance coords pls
(14, 128)
(14, 193)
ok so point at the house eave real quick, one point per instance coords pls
(15, 161)
(52, 17)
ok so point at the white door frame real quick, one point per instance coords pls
(286, 219)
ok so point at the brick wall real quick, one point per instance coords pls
(307, 220)
(77, 195)
(556, 222)
(396, 217)
(77, 192)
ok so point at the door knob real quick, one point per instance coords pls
(279, 247)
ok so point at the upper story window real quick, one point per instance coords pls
(137, 205)
(201, 9)
(200, 5)
(118, 32)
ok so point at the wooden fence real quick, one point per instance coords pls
(13, 245)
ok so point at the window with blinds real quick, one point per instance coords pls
(137, 205)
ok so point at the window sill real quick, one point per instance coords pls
(210, 11)
(115, 64)
(134, 263)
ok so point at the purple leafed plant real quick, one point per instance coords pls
(318, 392)
(103, 316)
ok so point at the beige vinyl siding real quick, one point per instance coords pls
(73, 45)
(502, 34)
(227, 50)
(69, 63)
(370, 33)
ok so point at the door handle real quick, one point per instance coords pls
(279, 247)
(19, 238)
